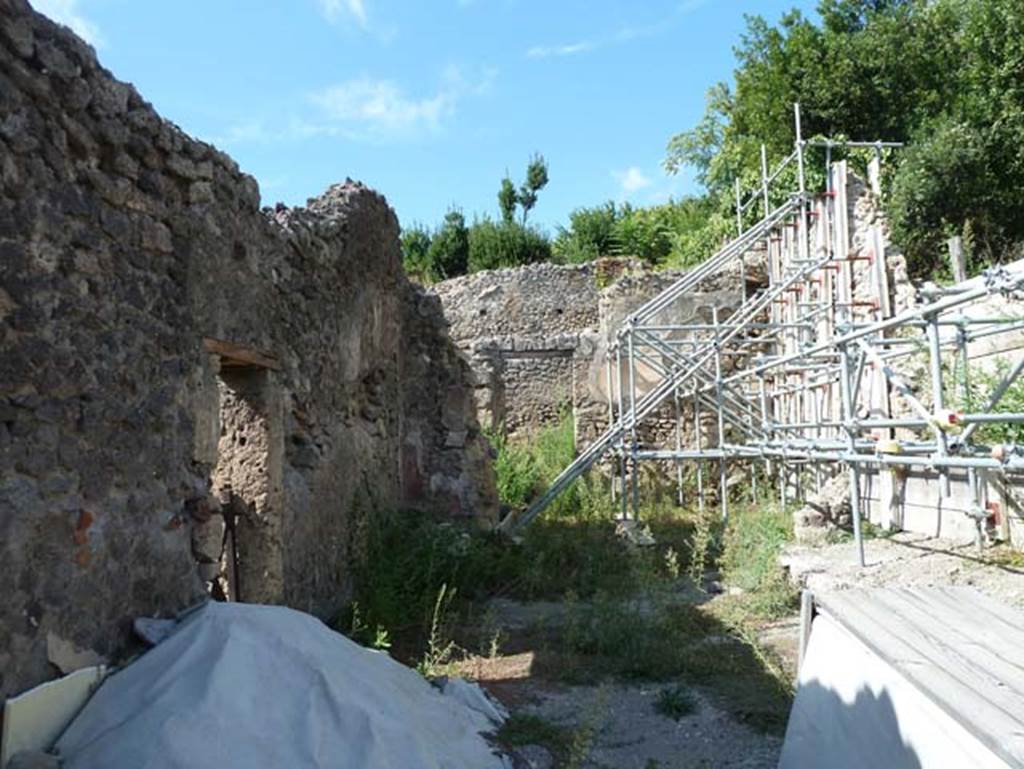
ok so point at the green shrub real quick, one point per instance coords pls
(675, 702)
(527, 729)
(415, 241)
(524, 468)
(753, 540)
(1012, 401)
(516, 472)
(448, 256)
(653, 233)
(591, 234)
(409, 558)
(505, 244)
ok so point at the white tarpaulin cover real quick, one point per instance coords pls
(242, 685)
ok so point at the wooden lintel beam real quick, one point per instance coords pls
(235, 355)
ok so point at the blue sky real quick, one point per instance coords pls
(431, 101)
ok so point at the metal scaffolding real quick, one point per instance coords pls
(802, 379)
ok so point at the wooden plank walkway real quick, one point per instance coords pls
(959, 648)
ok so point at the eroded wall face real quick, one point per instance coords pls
(445, 460)
(124, 244)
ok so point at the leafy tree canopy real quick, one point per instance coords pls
(944, 76)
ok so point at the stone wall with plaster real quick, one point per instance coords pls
(179, 368)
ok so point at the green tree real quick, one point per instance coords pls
(944, 76)
(449, 249)
(507, 199)
(536, 180)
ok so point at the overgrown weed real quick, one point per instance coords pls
(527, 729)
(441, 647)
(626, 612)
(675, 702)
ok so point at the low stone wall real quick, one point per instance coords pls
(194, 394)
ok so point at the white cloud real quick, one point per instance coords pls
(363, 109)
(544, 51)
(67, 12)
(381, 104)
(334, 10)
(689, 6)
(369, 108)
(621, 36)
(251, 132)
(631, 180)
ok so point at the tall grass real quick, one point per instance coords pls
(525, 468)
(751, 547)
(572, 547)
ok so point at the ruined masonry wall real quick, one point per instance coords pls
(530, 333)
(123, 245)
(536, 337)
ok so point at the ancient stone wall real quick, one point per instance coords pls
(194, 393)
(537, 338)
(530, 335)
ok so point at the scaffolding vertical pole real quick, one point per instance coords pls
(816, 419)
(611, 409)
(635, 466)
(803, 245)
(764, 180)
(753, 482)
(938, 401)
(739, 233)
(698, 441)
(965, 380)
(851, 436)
(721, 417)
(765, 426)
(622, 422)
(828, 169)
(975, 478)
(679, 447)
(782, 481)
(739, 208)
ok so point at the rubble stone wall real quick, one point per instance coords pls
(529, 333)
(140, 284)
(537, 338)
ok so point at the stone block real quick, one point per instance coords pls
(455, 439)
(208, 539)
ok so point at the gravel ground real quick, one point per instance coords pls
(628, 733)
(625, 729)
(903, 560)
(618, 721)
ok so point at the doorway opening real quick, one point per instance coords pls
(247, 479)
